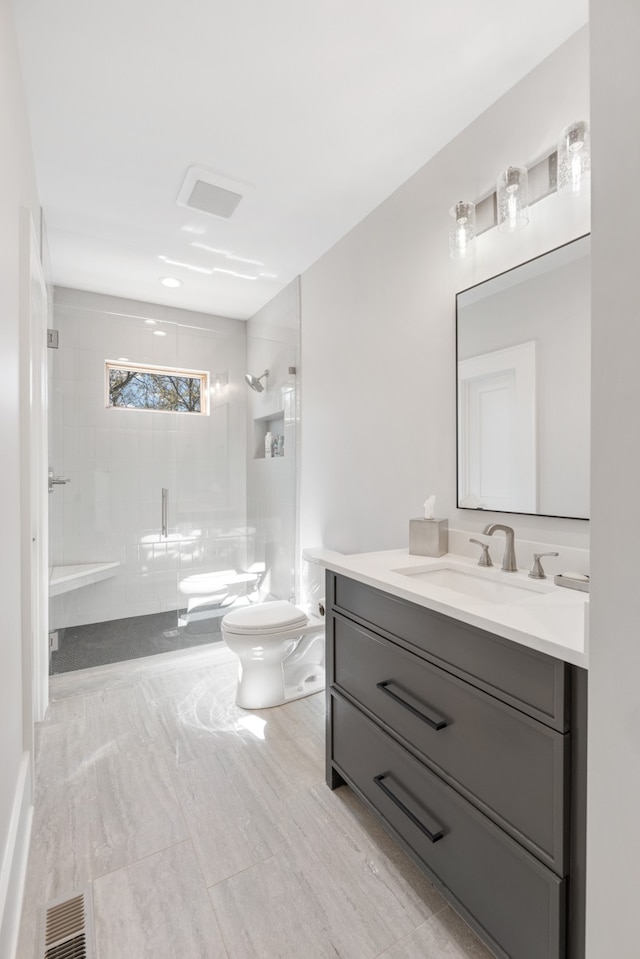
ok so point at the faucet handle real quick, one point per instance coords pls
(537, 571)
(485, 559)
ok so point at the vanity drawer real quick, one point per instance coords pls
(510, 897)
(514, 767)
(532, 681)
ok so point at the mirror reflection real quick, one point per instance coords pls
(523, 351)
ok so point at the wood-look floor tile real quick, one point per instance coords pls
(203, 719)
(270, 912)
(65, 796)
(136, 812)
(130, 673)
(100, 804)
(121, 717)
(330, 891)
(135, 757)
(156, 908)
(232, 798)
(294, 738)
(64, 711)
(59, 865)
(233, 816)
(395, 891)
(445, 936)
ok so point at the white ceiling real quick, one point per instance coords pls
(323, 107)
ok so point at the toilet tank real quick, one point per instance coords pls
(312, 580)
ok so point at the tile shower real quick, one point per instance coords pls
(119, 460)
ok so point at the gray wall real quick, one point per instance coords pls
(614, 678)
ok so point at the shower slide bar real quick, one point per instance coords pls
(165, 528)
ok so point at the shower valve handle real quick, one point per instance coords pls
(56, 480)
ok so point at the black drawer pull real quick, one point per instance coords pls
(430, 718)
(433, 834)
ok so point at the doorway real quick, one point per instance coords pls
(149, 543)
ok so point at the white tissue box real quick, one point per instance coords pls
(428, 537)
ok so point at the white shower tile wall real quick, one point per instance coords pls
(273, 337)
(119, 460)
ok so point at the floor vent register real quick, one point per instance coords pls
(68, 929)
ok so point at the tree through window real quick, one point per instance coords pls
(149, 388)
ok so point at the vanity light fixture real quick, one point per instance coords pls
(574, 158)
(513, 199)
(462, 230)
(565, 170)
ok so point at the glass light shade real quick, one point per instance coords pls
(574, 158)
(462, 230)
(512, 199)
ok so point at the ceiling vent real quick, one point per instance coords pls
(209, 193)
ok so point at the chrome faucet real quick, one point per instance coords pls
(537, 571)
(485, 559)
(509, 564)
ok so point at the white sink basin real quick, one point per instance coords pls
(487, 585)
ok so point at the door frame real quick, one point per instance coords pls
(33, 466)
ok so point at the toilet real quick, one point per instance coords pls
(281, 652)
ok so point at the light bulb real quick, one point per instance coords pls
(574, 158)
(462, 230)
(512, 199)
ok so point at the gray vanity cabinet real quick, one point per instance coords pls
(470, 750)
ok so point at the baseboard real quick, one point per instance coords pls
(13, 868)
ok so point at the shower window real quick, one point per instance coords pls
(141, 387)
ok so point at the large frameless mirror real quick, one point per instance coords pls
(523, 369)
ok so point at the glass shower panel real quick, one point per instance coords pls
(121, 549)
(271, 462)
(215, 554)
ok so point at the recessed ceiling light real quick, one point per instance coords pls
(159, 333)
(171, 281)
(151, 322)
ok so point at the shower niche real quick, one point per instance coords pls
(269, 436)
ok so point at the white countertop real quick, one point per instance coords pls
(552, 621)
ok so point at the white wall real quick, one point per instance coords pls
(614, 677)
(119, 460)
(273, 338)
(378, 326)
(17, 189)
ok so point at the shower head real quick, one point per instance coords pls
(254, 381)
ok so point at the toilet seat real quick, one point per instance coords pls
(266, 619)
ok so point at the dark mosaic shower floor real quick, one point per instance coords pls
(97, 644)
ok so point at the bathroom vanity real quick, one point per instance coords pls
(463, 728)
